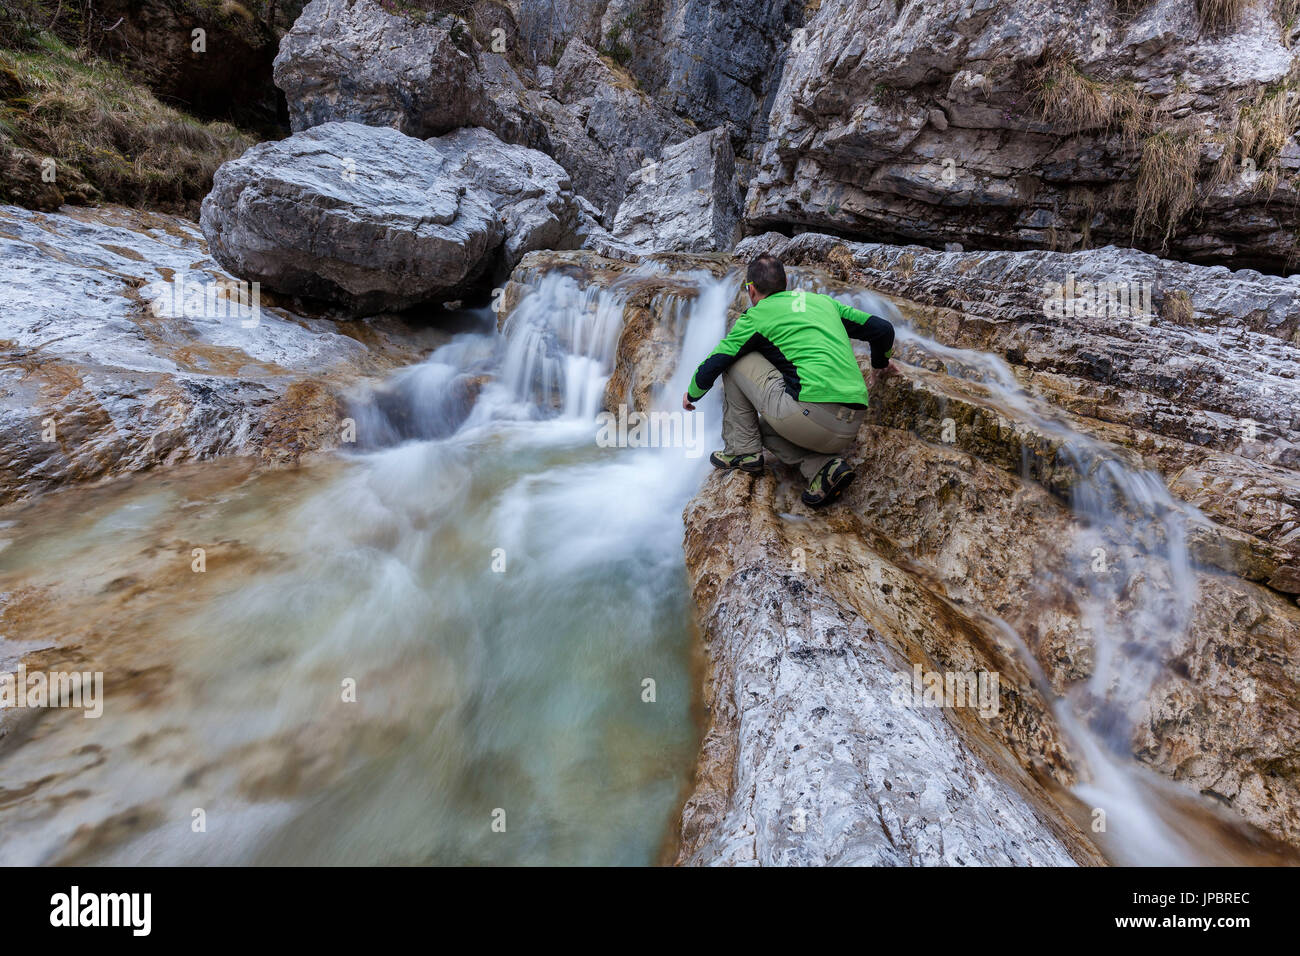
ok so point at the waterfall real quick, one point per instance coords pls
(504, 596)
(1123, 516)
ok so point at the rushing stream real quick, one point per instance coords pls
(504, 598)
(500, 589)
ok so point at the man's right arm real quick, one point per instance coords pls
(732, 347)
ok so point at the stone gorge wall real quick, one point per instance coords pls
(1046, 124)
(1049, 124)
(1043, 124)
(603, 87)
(713, 61)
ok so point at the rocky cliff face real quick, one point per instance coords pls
(1055, 126)
(1048, 124)
(1166, 125)
(603, 127)
(714, 61)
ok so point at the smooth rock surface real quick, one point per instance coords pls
(809, 760)
(108, 370)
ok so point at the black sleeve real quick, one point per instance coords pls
(872, 329)
(879, 334)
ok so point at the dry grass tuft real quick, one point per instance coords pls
(1220, 14)
(1166, 182)
(1067, 97)
(1262, 128)
(1265, 126)
(1177, 308)
(229, 8)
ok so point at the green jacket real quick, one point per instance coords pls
(806, 336)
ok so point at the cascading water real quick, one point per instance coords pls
(1121, 513)
(504, 599)
(1127, 518)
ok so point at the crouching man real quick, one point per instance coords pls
(790, 381)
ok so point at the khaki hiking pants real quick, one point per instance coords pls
(807, 434)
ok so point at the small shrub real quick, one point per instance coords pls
(616, 49)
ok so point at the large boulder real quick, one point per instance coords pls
(356, 61)
(686, 202)
(371, 220)
(353, 61)
(531, 193)
(1049, 124)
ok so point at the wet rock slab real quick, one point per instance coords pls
(126, 347)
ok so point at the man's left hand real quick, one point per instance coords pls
(686, 402)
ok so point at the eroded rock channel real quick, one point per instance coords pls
(371, 498)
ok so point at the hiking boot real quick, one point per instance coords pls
(749, 463)
(827, 484)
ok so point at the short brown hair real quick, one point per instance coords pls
(767, 274)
